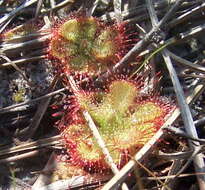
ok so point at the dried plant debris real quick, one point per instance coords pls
(15, 88)
(102, 58)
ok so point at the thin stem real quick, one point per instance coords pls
(16, 11)
(140, 46)
(9, 108)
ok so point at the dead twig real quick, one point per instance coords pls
(186, 63)
(16, 11)
(172, 176)
(186, 15)
(187, 118)
(181, 133)
(18, 46)
(17, 68)
(29, 131)
(154, 20)
(22, 60)
(20, 157)
(57, 6)
(140, 46)
(38, 8)
(42, 143)
(184, 108)
(11, 108)
(118, 10)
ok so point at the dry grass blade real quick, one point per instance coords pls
(175, 167)
(187, 118)
(77, 182)
(140, 46)
(20, 156)
(22, 60)
(57, 6)
(11, 108)
(118, 9)
(29, 44)
(16, 11)
(29, 131)
(173, 176)
(63, 184)
(187, 15)
(184, 108)
(186, 35)
(186, 63)
(38, 8)
(43, 181)
(31, 145)
(93, 8)
(15, 67)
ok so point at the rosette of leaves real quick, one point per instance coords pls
(125, 120)
(86, 44)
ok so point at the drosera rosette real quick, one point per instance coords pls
(125, 120)
(86, 44)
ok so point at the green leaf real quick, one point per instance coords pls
(121, 96)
